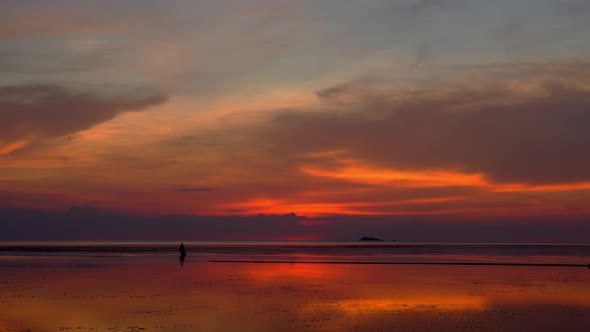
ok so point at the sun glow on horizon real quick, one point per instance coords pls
(492, 198)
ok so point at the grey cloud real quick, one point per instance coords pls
(507, 135)
(563, 26)
(575, 8)
(36, 112)
(419, 6)
(55, 57)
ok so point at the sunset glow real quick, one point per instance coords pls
(222, 108)
(400, 178)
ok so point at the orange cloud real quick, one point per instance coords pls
(479, 195)
(386, 207)
(275, 206)
(360, 173)
(369, 175)
(541, 188)
(13, 146)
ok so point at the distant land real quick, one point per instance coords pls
(367, 238)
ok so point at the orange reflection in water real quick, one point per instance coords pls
(160, 295)
(297, 272)
(442, 303)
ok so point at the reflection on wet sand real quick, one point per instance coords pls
(162, 296)
(387, 304)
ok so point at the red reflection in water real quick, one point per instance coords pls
(163, 296)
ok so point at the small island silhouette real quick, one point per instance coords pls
(367, 238)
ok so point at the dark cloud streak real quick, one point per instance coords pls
(39, 111)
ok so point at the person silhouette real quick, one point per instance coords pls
(182, 250)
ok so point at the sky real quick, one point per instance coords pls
(349, 114)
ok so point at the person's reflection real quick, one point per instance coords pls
(182, 253)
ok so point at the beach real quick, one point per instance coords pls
(114, 291)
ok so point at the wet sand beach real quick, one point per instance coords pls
(146, 293)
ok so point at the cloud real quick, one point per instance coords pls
(195, 189)
(32, 113)
(419, 6)
(574, 8)
(366, 147)
(533, 130)
(53, 57)
(504, 140)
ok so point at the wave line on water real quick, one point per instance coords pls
(400, 263)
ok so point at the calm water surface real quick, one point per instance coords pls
(302, 251)
(136, 286)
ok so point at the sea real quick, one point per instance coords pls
(293, 286)
(544, 254)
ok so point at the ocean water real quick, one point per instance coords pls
(293, 286)
(326, 252)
